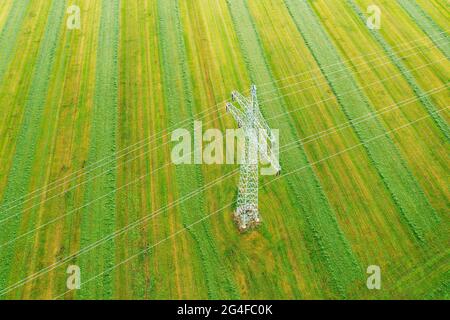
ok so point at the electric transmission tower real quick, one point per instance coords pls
(259, 142)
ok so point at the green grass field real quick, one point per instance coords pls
(86, 176)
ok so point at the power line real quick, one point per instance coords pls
(83, 172)
(121, 231)
(157, 169)
(228, 205)
(129, 160)
(406, 101)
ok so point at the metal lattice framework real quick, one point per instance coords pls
(259, 139)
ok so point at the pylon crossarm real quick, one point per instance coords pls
(270, 158)
(263, 124)
(265, 132)
(254, 98)
(237, 114)
(267, 154)
(241, 100)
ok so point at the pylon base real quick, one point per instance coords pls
(247, 218)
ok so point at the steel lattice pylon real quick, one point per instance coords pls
(258, 135)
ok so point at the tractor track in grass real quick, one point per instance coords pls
(426, 23)
(100, 219)
(13, 92)
(402, 185)
(5, 7)
(20, 172)
(78, 98)
(10, 32)
(438, 10)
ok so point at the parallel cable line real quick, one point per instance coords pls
(230, 204)
(365, 117)
(316, 136)
(368, 141)
(341, 126)
(167, 164)
(381, 53)
(137, 222)
(150, 150)
(84, 171)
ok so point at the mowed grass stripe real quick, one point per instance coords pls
(65, 126)
(127, 206)
(406, 192)
(20, 173)
(13, 92)
(177, 88)
(128, 201)
(426, 23)
(372, 227)
(98, 219)
(80, 96)
(9, 33)
(5, 7)
(426, 102)
(333, 249)
(39, 175)
(438, 10)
